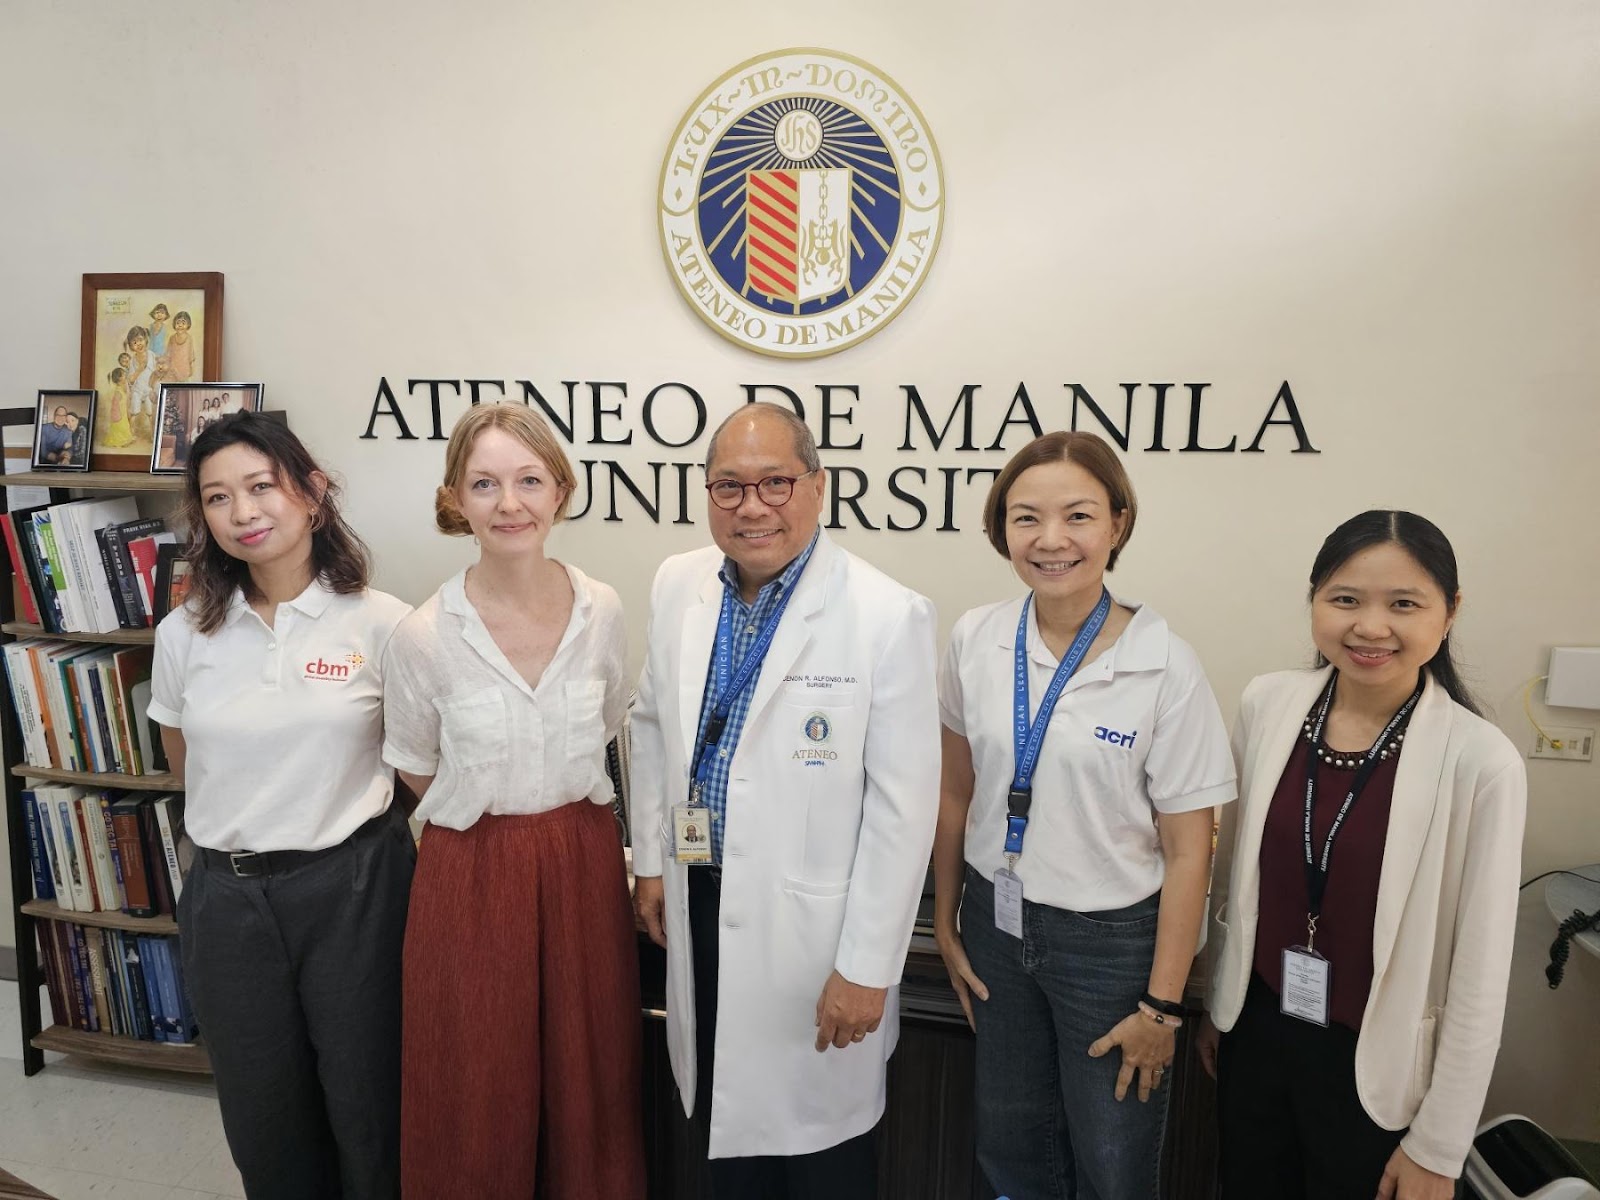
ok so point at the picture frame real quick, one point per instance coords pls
(117, 308)
(184, 409)
(62, 422)
(172, 578)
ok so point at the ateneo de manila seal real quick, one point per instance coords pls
(801, 203)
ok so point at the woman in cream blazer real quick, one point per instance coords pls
(1383, 598)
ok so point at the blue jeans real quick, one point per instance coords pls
(1049, 1124)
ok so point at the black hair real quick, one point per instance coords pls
(1426, 543)
(338, 556)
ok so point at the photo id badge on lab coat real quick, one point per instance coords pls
(1008, 902)
(691, 834)
(1307, 985)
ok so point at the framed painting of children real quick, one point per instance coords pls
(140, 333)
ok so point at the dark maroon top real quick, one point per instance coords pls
(1349, 908)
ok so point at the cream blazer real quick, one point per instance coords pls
(1447, 902)
(827, 840)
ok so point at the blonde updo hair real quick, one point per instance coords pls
(517, 420)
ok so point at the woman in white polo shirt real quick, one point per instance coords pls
(267, 684)
(522, 1038)
(1071, 876)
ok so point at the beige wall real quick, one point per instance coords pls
(1390, 206)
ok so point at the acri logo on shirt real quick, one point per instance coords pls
(339, 671)
(1115, 738)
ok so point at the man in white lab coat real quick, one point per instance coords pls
(788, 705)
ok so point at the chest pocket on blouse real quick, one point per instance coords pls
(586, 733)
(472, 730)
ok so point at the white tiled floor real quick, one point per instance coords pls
(82, 1130)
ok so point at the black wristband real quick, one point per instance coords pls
(1168, 1008)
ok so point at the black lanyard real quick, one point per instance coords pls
(1317, 870)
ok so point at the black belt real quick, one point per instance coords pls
(250, 864)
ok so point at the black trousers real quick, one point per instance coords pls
(848, 1171)
(1291, 1124)
(295, 979)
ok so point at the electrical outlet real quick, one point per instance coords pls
(1577, 745)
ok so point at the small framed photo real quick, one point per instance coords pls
(172, 578)
(140, 331)
(61, 430)
(187, 408)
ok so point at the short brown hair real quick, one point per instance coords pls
(1091, 452)
(517, 420)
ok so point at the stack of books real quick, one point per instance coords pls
(84, 708)
(107, 851)
(87, 566)
(110, 981)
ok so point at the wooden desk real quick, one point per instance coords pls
(925, 1141)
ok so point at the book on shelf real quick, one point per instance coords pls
(116, 982)
(76, 563)
(106, 850)
(145, 553)
(81, 707)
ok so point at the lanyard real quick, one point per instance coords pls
(1317, 871)
(1028, 739)
(729, 683)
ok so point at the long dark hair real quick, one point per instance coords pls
(1423, 541)
(338, 557)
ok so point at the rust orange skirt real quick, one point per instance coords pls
(520, 1059)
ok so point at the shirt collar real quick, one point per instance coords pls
(453, 594)
(313, 602)
(784, 583)
(1142, 646)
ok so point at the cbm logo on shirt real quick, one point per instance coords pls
(1115, 738)
(337, 672)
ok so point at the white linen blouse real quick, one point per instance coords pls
(455, 708)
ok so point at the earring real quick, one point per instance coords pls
(317, 520)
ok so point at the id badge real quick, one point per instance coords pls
(691, 834)
(1307, 985)
(1008, 902)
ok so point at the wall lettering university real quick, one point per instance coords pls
(977, 421)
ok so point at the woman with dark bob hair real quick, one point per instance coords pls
(1083, 755)
(1368, 894)
(268, 688)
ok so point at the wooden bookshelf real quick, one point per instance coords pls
(44, 910)
(120, 637)
(37, 1037)
(115, 481)
(102, 779)
(130, 1052)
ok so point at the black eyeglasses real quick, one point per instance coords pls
(773, 491)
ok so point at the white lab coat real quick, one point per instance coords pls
(824, 853)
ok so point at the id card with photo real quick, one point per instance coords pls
(1008, 902)
(691, 834)
(1307, 985)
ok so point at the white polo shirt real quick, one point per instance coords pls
(1136, 732)
(283, 723)
(457, 710)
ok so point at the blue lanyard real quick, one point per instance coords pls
(1029, 739)
(729, 684)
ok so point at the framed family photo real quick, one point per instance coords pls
(61, 426)
(140, 332)
(184, 409)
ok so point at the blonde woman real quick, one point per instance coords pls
(521, 1045)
